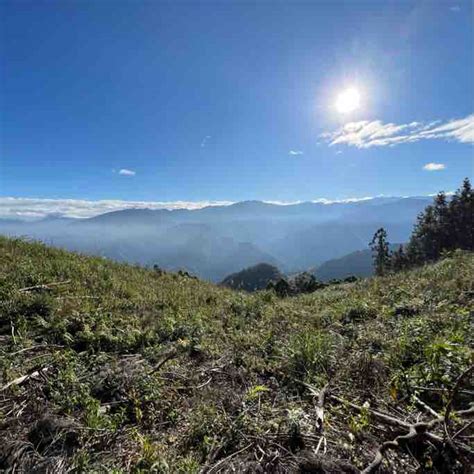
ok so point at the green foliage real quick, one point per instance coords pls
(443, 226)
(298, 284)
(311, 355)
(255, 392)
(380, 251)
(234, 359)
(254, 278)
(360, 422)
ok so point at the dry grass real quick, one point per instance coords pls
(165, 373)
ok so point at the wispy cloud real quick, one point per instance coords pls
(126, 172)
(434, 167)
(367, 134)
(38, 208)
(205, 140)
(295, 152)
(455, 8)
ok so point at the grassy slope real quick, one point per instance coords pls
(231, 383)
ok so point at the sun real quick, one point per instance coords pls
(348, 101)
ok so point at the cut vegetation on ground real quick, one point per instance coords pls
(111, 367)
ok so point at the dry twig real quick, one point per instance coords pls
(24, 378)
(44, 287)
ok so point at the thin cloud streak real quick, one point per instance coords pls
(295, 152)
(205, 140)
(37, 208)
(434, 167)
(367, 134)
(79, 208)
(126, 172)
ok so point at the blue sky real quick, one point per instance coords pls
(205, 101)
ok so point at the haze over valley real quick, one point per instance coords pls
(236, 236)
(215, 241)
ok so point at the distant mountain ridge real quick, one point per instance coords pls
(358, 263)
(215, 241)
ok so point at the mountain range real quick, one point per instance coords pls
(213, 242)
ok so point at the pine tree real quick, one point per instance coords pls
(443, 235)
(461, 209)
(380, 252)
(443, 226)
(399, 259)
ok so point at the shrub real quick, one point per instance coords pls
(311, 355)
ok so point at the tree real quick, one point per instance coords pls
(380, 252)
(443, 226)
(306, 283)
(282, 287)
(423, 246)
(399, 259)
(461, 210)
(444, 233)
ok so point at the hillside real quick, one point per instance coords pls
(358, 263)
(253, 278)
(107, 367)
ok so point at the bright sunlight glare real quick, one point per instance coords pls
(348, 101)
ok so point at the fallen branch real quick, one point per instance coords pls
(72, 297)
(192, 387)
(320, 408)
(381, 416)
(415, 430)
(24, 378)
(427, 407)
(45, 287)
(222, 461)
(454, 392)
(321, 396)
(437, 389)
(31, 348)
(462, 430)
(168, 356)
(422, 429)
(447, 413)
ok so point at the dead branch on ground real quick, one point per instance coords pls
(44, 287)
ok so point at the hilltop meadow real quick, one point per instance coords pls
(108, 367)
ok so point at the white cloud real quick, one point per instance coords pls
(455, 8)
(295, 152)
(205, 140)
(325, 201)
(434, 166)
(367, 134)
(126, 172)
(38, 208)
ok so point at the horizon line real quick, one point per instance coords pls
(21, 208)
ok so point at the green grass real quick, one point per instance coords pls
(232, 379)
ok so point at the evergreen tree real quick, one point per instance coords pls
(380, 252)
(443, 226)
(422, 246)
(461, 209)
(399, 259)
(443, 233)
